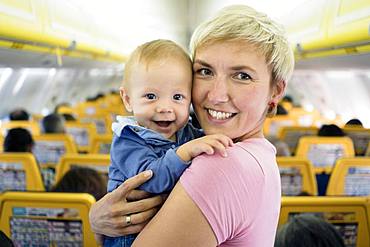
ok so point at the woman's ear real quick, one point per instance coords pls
(278, 92)
(125, 98)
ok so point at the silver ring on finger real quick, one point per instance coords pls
(128, 219)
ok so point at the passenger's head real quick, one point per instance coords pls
(157, 86)
(18, 140)
(53, 123)
(354, 122)
(287, 98)
(68, 117)
(19, 115)
(242, 62)
(308, 231)
(330, 130)
(281, 110)
(82, 180)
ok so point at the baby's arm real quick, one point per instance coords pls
(131, 155)
(206, 144)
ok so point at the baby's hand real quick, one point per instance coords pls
(207, 144)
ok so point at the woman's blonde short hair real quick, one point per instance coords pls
(243, 23)
(154, 51)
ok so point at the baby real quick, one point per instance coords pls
(157, 90)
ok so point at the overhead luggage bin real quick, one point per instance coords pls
(57, 28)
(326, 28)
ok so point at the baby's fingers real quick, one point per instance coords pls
(225, 140)
(219, 147)
(204, 148)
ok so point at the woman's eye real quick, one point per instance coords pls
(204, 72)
(178, 97)
(150, 96)
(242, 76)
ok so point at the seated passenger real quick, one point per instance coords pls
(82, 180)
(53, 123)
(5, 241)
(330, 130)
(68, 117)
(281, 110)
(308, 231)
(282, 148)
(19, 115)
(18, 140)
(354, 122)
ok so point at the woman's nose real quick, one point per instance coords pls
(218, 93)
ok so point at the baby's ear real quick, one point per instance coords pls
(125, 98)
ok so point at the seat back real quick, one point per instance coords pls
(19, 171)
(297, 176)
(349, 215)
(350, 177)
(47, 219)
(99, 162)
(324, 151)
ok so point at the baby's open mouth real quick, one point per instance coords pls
(163, 124)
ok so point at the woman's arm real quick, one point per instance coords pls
(178, 223)
(107, 216)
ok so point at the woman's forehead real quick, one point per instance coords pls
(233, 46)
(231, 52)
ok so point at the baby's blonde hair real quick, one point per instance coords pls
(154, 51)
(243, 23)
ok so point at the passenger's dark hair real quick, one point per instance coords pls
(281, 110)
(287, 98)
(60, 105)
(19, 115)
(68, 117)
(18, 140)
(354, 121)
(330, 130)
(53, 123)
(95, 98)
(5, 241)
(82, 180)
(308, 231)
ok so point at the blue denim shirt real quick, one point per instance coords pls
(136, 149)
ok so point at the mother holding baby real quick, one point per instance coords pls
(241, 64)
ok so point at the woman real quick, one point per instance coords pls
(241, 62)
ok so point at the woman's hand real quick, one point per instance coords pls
(117, 215)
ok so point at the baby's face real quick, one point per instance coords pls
(160, 95)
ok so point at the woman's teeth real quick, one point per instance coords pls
(219, 115)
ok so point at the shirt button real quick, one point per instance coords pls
(173, 146)
(136, 129)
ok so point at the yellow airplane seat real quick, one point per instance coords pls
(350, 177)
(324, 151)
(19, 171)
(47, 219)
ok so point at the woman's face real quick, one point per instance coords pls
(231, 89)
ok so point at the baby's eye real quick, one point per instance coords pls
(150, 96)
(242, 76)
(204, 72)
(178, 97)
